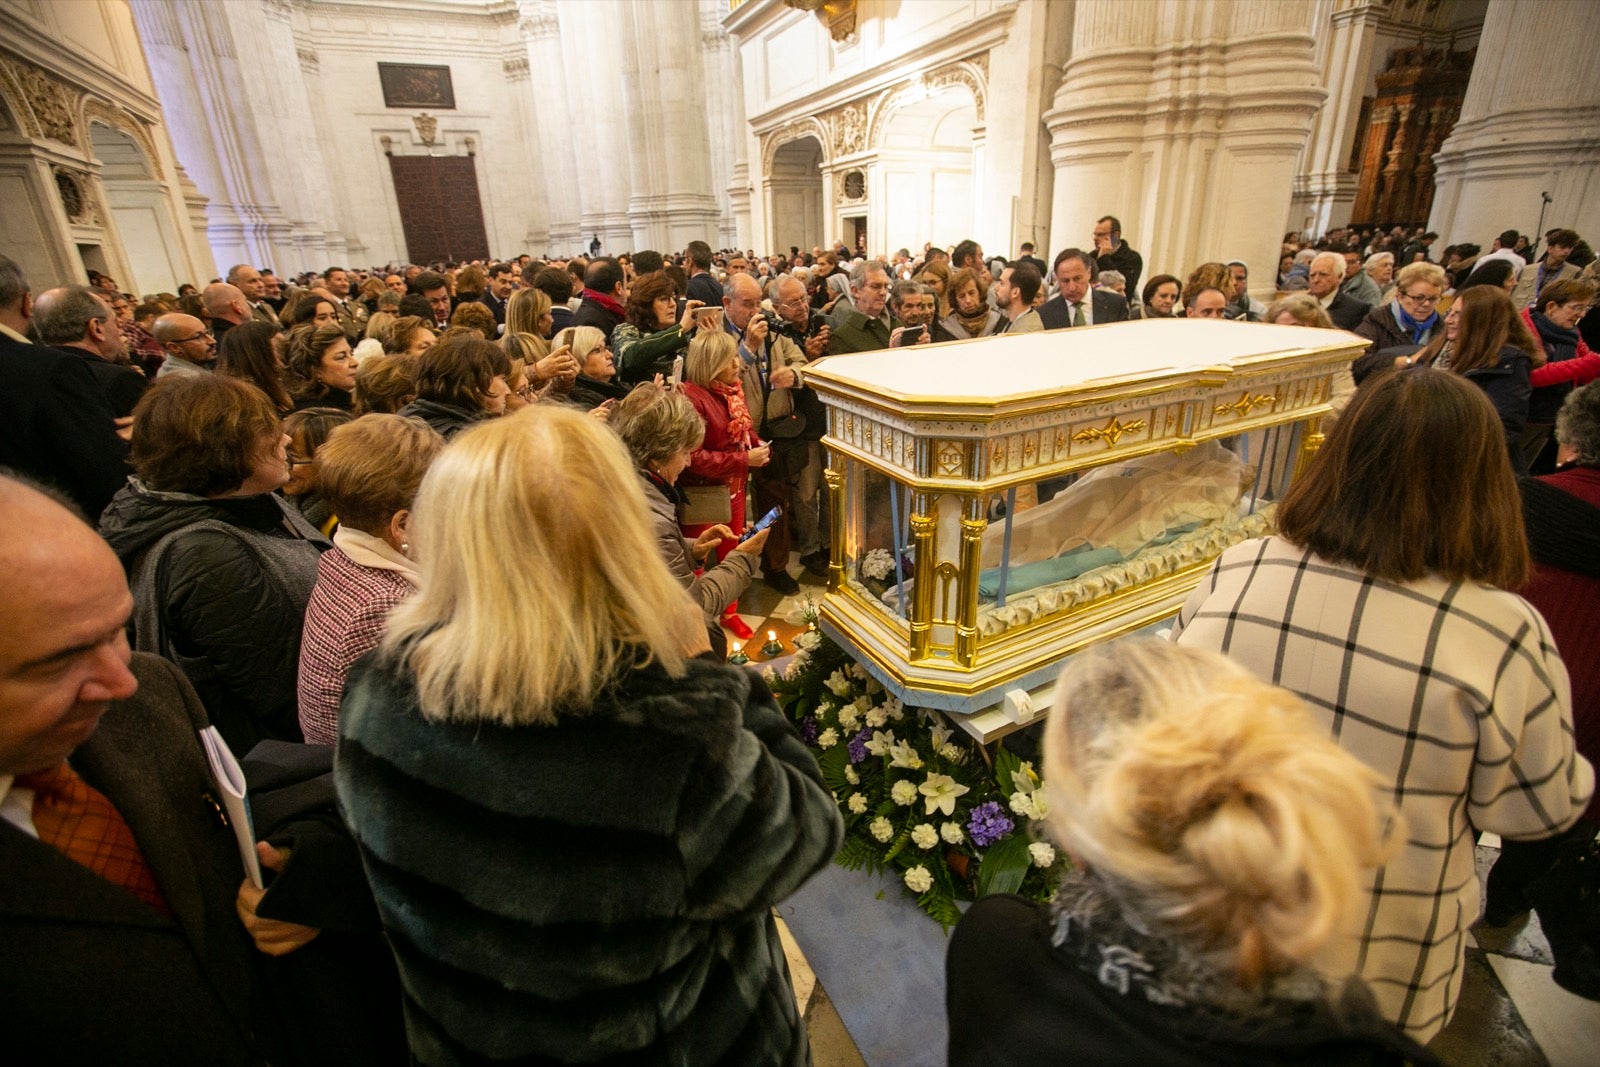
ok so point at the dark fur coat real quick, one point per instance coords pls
(596, 891)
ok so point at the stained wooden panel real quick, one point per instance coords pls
(440, 210)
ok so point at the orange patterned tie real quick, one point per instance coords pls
(83, 825)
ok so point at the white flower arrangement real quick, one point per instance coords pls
(924, 836)
(877, 717)
(857, 803)
(904, 794)
(849, 719)
(942, 792)
(1042, 854)
(838, 683)
(918, 880)
(880, 743)
(952, 753)
(882, 829)
(827, 738)
(878, 565)
(892, 707)
(851, 776)
(903, 754)
(952, 833)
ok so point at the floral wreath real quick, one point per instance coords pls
(950, 818)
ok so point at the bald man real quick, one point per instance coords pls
(141, 944)
(188, 343)
(248, 281)
(226, 306)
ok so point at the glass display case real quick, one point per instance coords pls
(998, 503)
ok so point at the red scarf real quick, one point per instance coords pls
(605, 301)
(739, 424)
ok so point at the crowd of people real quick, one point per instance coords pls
(453, 553)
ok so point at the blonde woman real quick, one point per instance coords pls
(1219, 846)
(529, 318)
(576, 829)
(730, 447)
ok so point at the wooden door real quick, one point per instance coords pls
(439, 208)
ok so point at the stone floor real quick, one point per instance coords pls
(869, 968)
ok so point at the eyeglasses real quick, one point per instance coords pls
(1425, 301)
(196, 337)
(299, 461)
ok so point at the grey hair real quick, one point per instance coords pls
(903, 289)
(65, 315)
(1376, 260)
(1109, 278)
(1578, 423)
(858, 273)
(655, 424)
(13, 286)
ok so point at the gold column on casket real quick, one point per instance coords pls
(960, 424)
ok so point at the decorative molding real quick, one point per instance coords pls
(848, 128)
(95, 110)
(45, 105)
(427, 128)
(279, 10)
(310, 62)
(543, 23)
(77, 201)
(516, 68)
(811, 126)
(967, 74)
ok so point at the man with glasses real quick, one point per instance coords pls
(189, 345)
(793, 305)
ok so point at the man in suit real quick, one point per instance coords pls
(1074, 304)
(498, 292)
(867, 326)
(248, 281)
(352, 313)
(1323, 281)
(75, 320)
(123, 943)
(1016, 289)
(55, 422)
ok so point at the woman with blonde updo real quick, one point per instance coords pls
(1220, 845)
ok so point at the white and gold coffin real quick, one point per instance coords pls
(1177, 437)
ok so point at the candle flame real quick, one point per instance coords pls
(772, 635)
(738, 646)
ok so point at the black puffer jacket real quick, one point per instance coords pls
(232, 626)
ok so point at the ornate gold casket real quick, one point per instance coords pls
(1164, 442)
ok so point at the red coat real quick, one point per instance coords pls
(1570, 603)
(720, 460)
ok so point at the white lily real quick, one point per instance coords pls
(941, 792)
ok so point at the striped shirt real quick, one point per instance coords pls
(1452, 691)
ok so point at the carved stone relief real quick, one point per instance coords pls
(46, 106)
(516, 68)
(427, 128)
(849, 126)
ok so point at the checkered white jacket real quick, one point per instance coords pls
(1452, 691)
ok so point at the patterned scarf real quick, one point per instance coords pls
(739, 423)
(975, 323)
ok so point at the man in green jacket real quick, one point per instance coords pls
(867, 327)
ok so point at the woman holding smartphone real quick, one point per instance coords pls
(653, 334)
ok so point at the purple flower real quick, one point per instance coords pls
(858, 746)
(988, 824)
(808, 729)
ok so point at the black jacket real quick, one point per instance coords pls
(447, 419)
(56, 426)
(705, 287)
(1108, 307)
(233, 629)
(1015, 1000)
(1559, 345)
(592, 313)
(1125, 261)
(1347, 312)
(590, 393)
(121, 385)
(1508, 387)
(596, 890)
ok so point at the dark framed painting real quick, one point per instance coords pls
(413, 85)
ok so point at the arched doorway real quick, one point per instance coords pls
(795, 184)
(140, 221)
(925, 170)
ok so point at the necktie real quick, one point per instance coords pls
(82, 825)
(1077, 313)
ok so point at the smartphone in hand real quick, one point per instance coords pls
(676, 377)
(766, 520)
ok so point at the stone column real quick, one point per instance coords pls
(725, 109)
(600, 34)
(553, 123)
(671, 201)
(1185, 121)
(1527, 126)
(1325, 188)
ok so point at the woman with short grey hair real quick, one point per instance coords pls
(661, 430)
